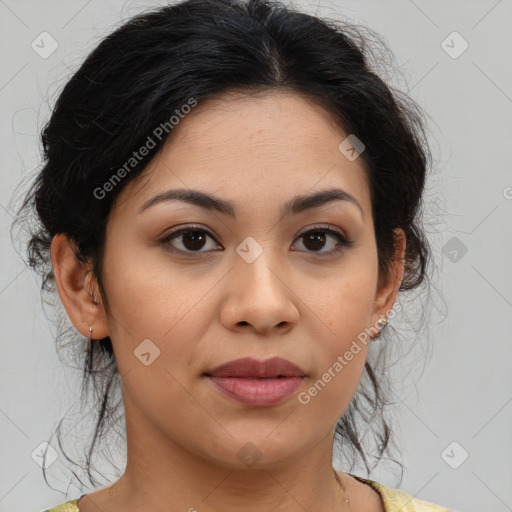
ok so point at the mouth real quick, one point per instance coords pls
(258, 391)
(257, 383)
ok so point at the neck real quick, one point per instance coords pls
(164, 477)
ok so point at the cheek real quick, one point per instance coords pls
(147, 297)
(341, 359)
(153, 325)
(343, 316)
(149, 308)
(344, 303)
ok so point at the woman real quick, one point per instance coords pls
(228, 210)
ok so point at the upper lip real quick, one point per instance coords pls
(250, 367)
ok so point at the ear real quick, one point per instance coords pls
(77, 288)
(388, 285)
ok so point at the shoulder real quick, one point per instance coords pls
(69, 506)
(396, 500)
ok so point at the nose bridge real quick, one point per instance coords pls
(260, 275)
(258, 293)
(258, 259)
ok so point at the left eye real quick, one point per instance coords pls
(193, 239)
(317, 237)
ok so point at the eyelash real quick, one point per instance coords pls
(343, 242)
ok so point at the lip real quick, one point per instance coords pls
(258, 383)
(250, 367)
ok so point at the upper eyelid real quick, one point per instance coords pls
(318, 226)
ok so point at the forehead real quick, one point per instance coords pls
(278, 118)
(242, 145)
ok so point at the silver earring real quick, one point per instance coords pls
(90, 332)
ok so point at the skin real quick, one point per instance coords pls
(205, 309)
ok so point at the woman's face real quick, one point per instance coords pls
(250, 283)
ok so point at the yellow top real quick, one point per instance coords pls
(394, 500)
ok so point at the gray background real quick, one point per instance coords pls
(465, 393)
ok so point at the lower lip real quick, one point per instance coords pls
(258, 392)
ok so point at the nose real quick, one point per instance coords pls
(260, 294)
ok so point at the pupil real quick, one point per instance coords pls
(196, 238)
(316, 238)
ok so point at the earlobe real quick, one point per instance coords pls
(73, 282)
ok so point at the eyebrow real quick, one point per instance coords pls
(209, 202)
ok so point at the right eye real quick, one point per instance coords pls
(193, 239)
